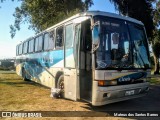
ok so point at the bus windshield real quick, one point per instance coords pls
(122, 45)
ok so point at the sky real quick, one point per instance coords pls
(8, 45)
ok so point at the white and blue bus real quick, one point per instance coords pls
(95, 56)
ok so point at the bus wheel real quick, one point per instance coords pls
(60, 85)
(24, 75)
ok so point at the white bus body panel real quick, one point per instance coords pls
(70, 83)
(110, 94)
(117, 93)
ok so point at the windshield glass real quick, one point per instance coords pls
(121, 45)
(140, 53)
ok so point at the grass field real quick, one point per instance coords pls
(17, 94)
(155, 80)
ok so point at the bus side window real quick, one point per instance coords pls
(46, 41)
(17, 50)
(49, 41)
(38, 43)
(68, 44)
(25, 47)
(59, 37)
(69, 36)
(20, 49)
(31, 46)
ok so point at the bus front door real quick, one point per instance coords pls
(70, 84)
(70, 60)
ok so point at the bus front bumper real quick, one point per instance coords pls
(106, 95)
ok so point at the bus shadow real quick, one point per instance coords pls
(22, 83)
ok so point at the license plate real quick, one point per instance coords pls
(131, 92)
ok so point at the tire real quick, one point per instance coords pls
(24, 75)
(60, 85)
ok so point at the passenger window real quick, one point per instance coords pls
(49, 41)
(38, 43)
(20, 49)
(25, 47)
(68, 43)
(46, 39)
(31, 46)
(17, 49)
(69, 36)
(59, 37)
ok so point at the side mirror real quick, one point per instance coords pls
(96, 34)
(96, 38)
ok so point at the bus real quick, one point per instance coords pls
(95, 56)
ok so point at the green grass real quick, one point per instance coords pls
(17, 95)
(155, 81)
(1, 68)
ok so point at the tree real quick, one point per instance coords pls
(156, 50)
(156, 37)
(42, 14)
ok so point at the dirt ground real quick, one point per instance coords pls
(19, 95)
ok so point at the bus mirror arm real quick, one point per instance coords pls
(95, 47)
(94, 24)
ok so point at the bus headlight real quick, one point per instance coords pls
(107, 82)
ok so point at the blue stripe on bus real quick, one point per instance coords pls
(35, 62)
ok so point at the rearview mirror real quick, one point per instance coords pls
(96, 38)
(95, 34)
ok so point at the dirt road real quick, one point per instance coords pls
(18, 95)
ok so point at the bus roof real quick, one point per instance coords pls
(113, 15)
(95, 13)
(92, 14)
